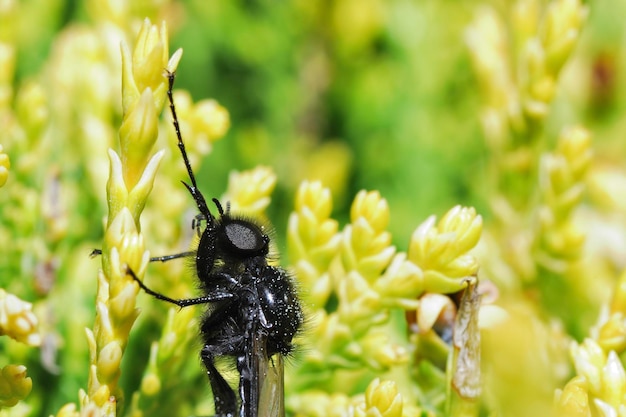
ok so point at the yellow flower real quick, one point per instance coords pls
(138, 134)
(249, 191)
(14, 385)
(561, 29)
(144, 70)
(441, 250)
(209, 120)
(401, 283)
(561, 181)
(601, 380)
(313, 241)
(573, 400)
(17, 319)
(381, 400)
(366, 245)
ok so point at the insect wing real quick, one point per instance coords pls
(269, 391)
(272, 397)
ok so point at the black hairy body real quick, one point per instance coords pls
(253, 312)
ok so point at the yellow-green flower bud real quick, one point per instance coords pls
(150, 384)
(372, 207)
(249, 191)
(318, 403)
(144, 70)
(612, 333)
(315, 197)
(117, 193)
(209, 121)
(366, 245)
(150, 55)
(606, 410)
(312, 234)
(122, 235)
(382, 399)
(313, 241)
(561, 182)
(139, 193)
(401, 284)
(561, 27)
(7, 71)
(379, 352)
(109, 361)
(613, 381)
(440, 251)
(465, 224)
(525, 19)
(68, 410)
(90, 407)
(32, 108)
(357, 300)
(17, 319)
(179, 328)
(486, 40)
(331, 336)
(589, 359)
(575, 145)
(14, 385)
(138, 134)
(573, 400)
(122, 307)
(5, 164)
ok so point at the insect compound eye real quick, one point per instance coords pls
(245, 238)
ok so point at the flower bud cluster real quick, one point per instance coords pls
(599, 388)
(17, 320)
(168, 358)
(313, 242)
(132, 174)
(540, 43)
(561, 183)
(441, 249)
(14, 385)
(249, 191)
(352, 279)
(381, 399)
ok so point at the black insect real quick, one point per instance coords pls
(253, 310)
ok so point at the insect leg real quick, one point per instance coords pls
(220, 296)
(223, 395)
(173, 256)
(165, 258)
(196, 223)
(249, 365)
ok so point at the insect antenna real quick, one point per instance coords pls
(220, 210)
(193, 188)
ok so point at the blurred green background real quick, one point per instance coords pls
(363, 94)
(379, 93)
(369, 91)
